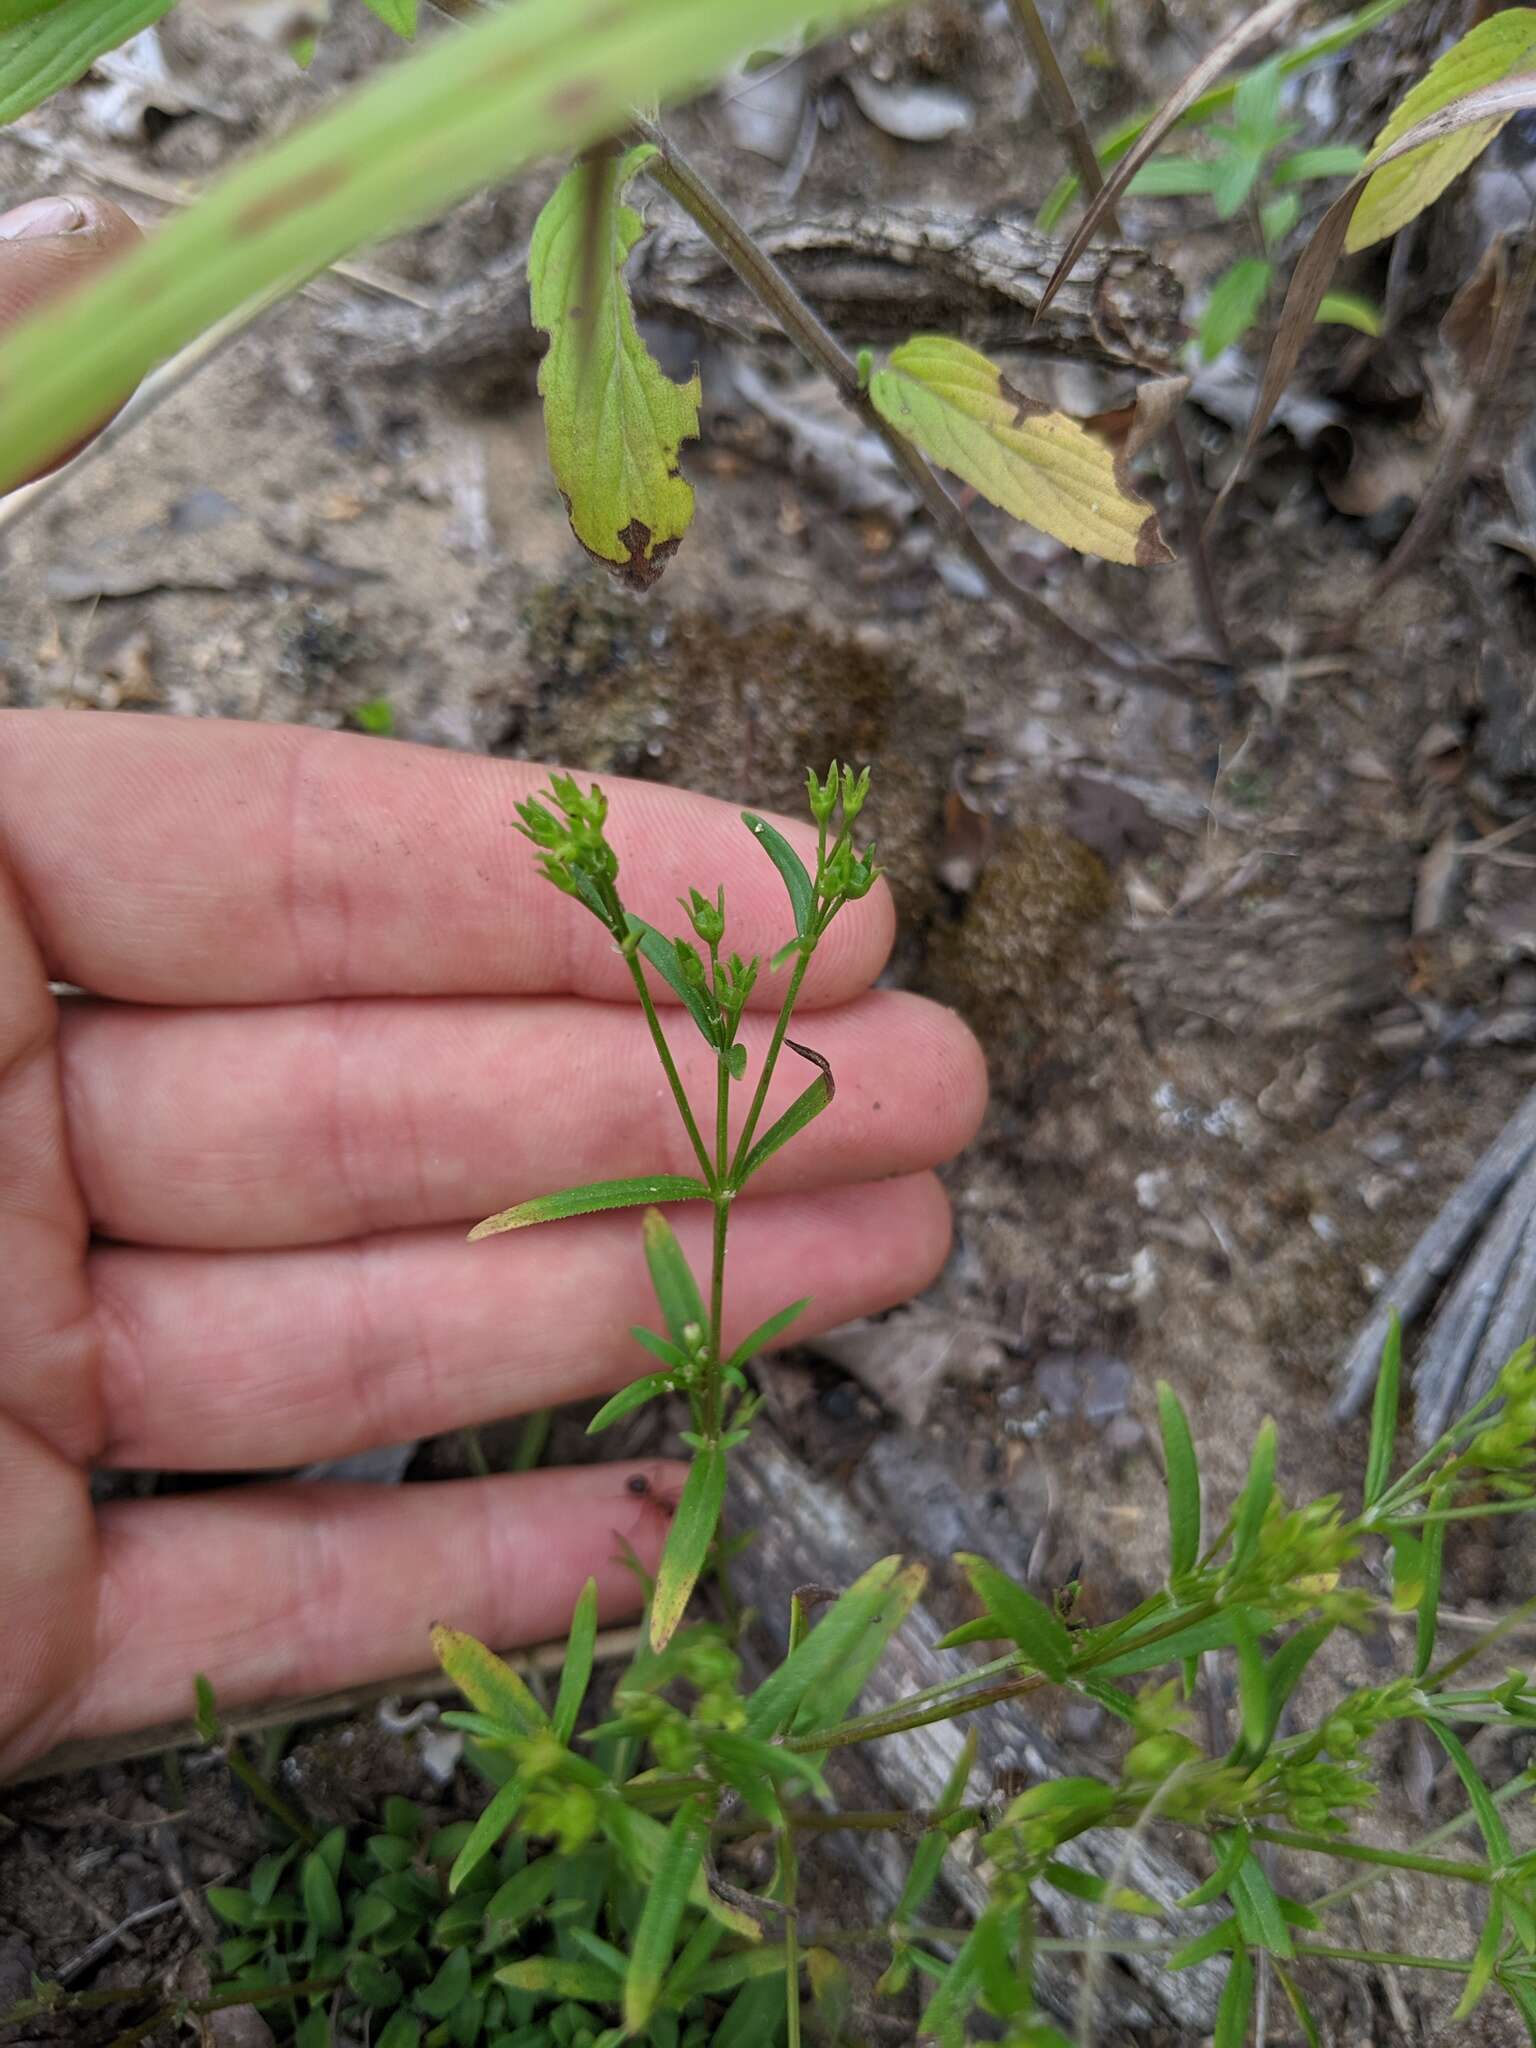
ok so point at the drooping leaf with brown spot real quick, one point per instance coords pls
(1040, 466)
(1400, 190)
(613, 418)
(1242, 36)
(1317, 262)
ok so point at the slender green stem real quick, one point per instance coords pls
(1478, 1510)
(669, 1068)
(895, 1820)
(1379, 1958)
(531, 1439)
(1480, 1645)
(775, 1047)
(1446, 1831)
(1360, 1852)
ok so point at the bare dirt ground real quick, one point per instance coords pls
(1252, 1009)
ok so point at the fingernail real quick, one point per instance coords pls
(39, 217)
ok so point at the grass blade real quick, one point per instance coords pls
(688, 1541)
(1183, 1469)
(576, 1671)
(591, 1200)
(677, 1292)
(1178, 103)
(655, 1938)
(1378, 1458)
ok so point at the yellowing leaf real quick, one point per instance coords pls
(1038, 465)
(491, 1686)
(1398, 191)
(613, 418)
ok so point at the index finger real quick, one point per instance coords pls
(197, 861)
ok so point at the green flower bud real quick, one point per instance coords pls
(822, 796)
(855, 789)
(707, 919)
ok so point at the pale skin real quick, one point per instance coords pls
(332, 1017)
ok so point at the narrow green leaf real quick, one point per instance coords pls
(661, 952)
(1171, 177)
(1041, 1635)
(1259, 1917)
(672, 1356)
(490, 1685)
(1378, 1457)
(487, 1832)
(45, 47)
(205, 1711)
(765, 1333)
(802, 890)
(800, 1112)
(688, 1541)
(1232, 1848)
(1300, 2007)
(400, 15)
(1485, 1959)
(576, 1671)
(523, 1895)
(1235, 2009)
(614, 420)
(1037, 464)
(1348, 309)
(834, 1637)
(1277, 217)
(1098, 1891)
(726, 1972)
(597, 1195)
(677, 1292)
(946, 2012)
(1214, 1942)
(1236, 175)
(834, 1694)
(656, 1936)
(929, 1856)
(1183, 1469)
(1333, 160)
(1233, 306)
(1252, 1693)
(1285, 1669)
(1490, 51)
(555, 1977)
(1253, 1503)
(1429, 1593)
(1214, 1632)
(627, 1399)
(1495, 1834)
(235, 1908)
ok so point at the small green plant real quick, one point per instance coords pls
(1245, 169)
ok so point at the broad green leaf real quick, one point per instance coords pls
(374, 1983)
(656, 1936)
(1253, 1503)
(401, 2029)
(1495, 48)
(491, 1686)
(1429, 1593)
(688, 1541)
(400, 15)
(1256, 103)
(1171, 177)
(802, 890)
(487, 1831)
(46, 46)
(1407, 1569)
(613, 418)
(834, 1637)
(1233, 306)
(1485, 1959)
(765, 1333)
(591, 1200)
(803, 1110)
(523, 1895)
(1038, 465)
(677, 1292)
(322, 1907)
(1235, 2008)
(1277, 217)
(1183, 1470)
(627, 1399)
(1378, 1457)
(1333, 160)
(826, 1702)
(447, 1988)
(1041, 1635)
(1348, 309)
(576, 1671)
(1236, 175)
(463, 111)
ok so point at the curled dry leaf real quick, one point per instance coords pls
(1469, 320)
(1137, 423)
(1169, 114)
(1040, 466)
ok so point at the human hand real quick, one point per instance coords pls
(333, 1015)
